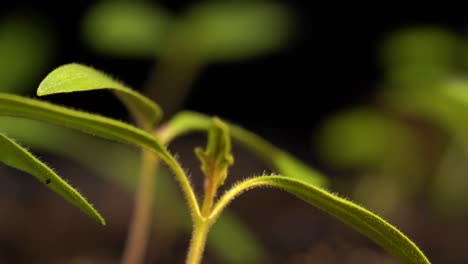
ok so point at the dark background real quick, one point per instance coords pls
(331, 63)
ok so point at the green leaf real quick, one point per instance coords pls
(285, 163)
(126, 28)
(18, 157)
(13, 105)
(217, 157)
(359, 218)
(224, 31)
(76, 77)
(117, 163)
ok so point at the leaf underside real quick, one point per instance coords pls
(17, 106)
(117, 163)
(359, 218)
(18, 157)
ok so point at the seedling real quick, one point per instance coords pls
(295, 177)
(423, 92)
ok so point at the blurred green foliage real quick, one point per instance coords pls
(362, 137)
(209, 31)
(126, 28)
(402, 143)
(26, 50)
(206, 32)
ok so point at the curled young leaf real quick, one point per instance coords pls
(359, 218)
(76, 77)
(217, 157)
(285, 163)
(18, 157)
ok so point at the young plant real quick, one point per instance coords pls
(295, 177)
(407, 141)
(218, 32)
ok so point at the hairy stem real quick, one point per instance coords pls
(140, 224)
(185, 186)
(165, 135)
(198, 241)
(202, 225)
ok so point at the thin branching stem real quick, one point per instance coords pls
(198, 242)
(140, 225)
(141, 217)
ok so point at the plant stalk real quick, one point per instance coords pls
(202, 224)
(141, 216)
(208, 200)
(198, 241)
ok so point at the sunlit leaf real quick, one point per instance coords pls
(13, 105)
(76, 77)
(18, 157)
(185, 122)
(126, 28)
(26, 45)
(102, 156)
(359, 218)
(219, 31)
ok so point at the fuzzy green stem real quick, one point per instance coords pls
(185, 186)
(202, 225)
(164, 134)
(141, 217)
(198, 241)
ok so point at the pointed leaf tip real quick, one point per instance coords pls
(359, 218)
(15, 156)
(217, 157)
(76, 77)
